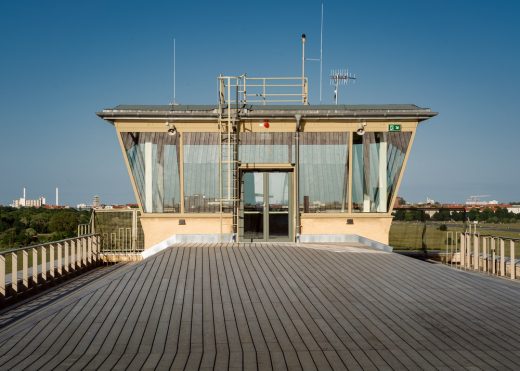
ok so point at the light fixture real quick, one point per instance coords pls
(361, 128)
(172, 130)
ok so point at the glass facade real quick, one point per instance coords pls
(267, 148)
(377, 159)
(323, 172)
(201, 172)
(154, 162)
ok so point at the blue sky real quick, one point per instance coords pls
(61, 61)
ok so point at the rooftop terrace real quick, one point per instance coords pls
(267, 305)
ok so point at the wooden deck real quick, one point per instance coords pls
(270, 306)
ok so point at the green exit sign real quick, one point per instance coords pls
(394, 127)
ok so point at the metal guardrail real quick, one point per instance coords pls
(484, 253)
(120, 230)
(25, 268)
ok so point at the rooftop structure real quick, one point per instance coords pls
(264, 172)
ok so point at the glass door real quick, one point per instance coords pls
(266, 211)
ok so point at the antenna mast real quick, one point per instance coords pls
(340, 77)
(321, 51)
(174, 101)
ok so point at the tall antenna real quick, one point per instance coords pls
(174, 56)
(340, 77)
(321, 51)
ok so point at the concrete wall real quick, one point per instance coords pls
(376, 228)
(158, 228)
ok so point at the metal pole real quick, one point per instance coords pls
(303, 65)
(174, 71)
(297, 177)
(321, 51)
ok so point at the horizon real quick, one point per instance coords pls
(63, 62)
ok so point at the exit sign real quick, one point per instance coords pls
(394, 127)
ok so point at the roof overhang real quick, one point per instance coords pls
(317, 112)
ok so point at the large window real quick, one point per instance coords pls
(201, 172)
(323, 172)
(377, 159)
(154, 162)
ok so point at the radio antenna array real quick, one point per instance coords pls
(340, 77)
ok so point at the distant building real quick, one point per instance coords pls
(83, 207)
(24, 202)
(515, 209)
(96, 202)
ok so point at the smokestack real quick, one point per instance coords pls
(24, 193)
(57, 197)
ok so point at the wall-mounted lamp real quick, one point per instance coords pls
(172, 130)
(361, 128)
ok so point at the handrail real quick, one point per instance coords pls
(45, 262)
(3, 252)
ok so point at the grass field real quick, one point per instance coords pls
(408, 235)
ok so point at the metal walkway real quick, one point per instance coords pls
(271, 306)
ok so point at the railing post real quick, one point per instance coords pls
(476, 256)
(502, 258)
(84, 251)
(25, 269)
(35, 266)
(493, 256)
(512, 262)
(468, 251)
(44, 264)
(66, 263)
(72, 245)
(14, 272)
(462, 255)
(2, 277)
(89, 249)
(78, 243)
(60, 261)
(484, 254)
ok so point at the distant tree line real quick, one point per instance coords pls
(500, 215)
(29, 225)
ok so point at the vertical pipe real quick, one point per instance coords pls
(148, 177)
(303, 67)
(462, 255)
(476, 252)
(493, 256)
(298, 118)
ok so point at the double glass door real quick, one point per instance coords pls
(266, 207)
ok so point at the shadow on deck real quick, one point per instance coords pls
(270, 306)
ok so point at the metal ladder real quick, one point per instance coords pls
(228, 121)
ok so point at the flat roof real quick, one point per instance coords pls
(358, 111)
(267, 305)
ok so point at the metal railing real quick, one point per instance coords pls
(263, 90)
(120, 230)
(28, 267)
(494, 255)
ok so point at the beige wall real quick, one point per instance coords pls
(376, 228)
(159, 228)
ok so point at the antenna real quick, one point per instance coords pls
(321, 51)
(340, 77)
(174, 56)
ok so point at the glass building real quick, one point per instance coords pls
(276, 173)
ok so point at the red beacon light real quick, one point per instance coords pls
(266, 124)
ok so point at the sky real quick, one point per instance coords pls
(62, 61)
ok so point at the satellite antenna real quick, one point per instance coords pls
(340, 77)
